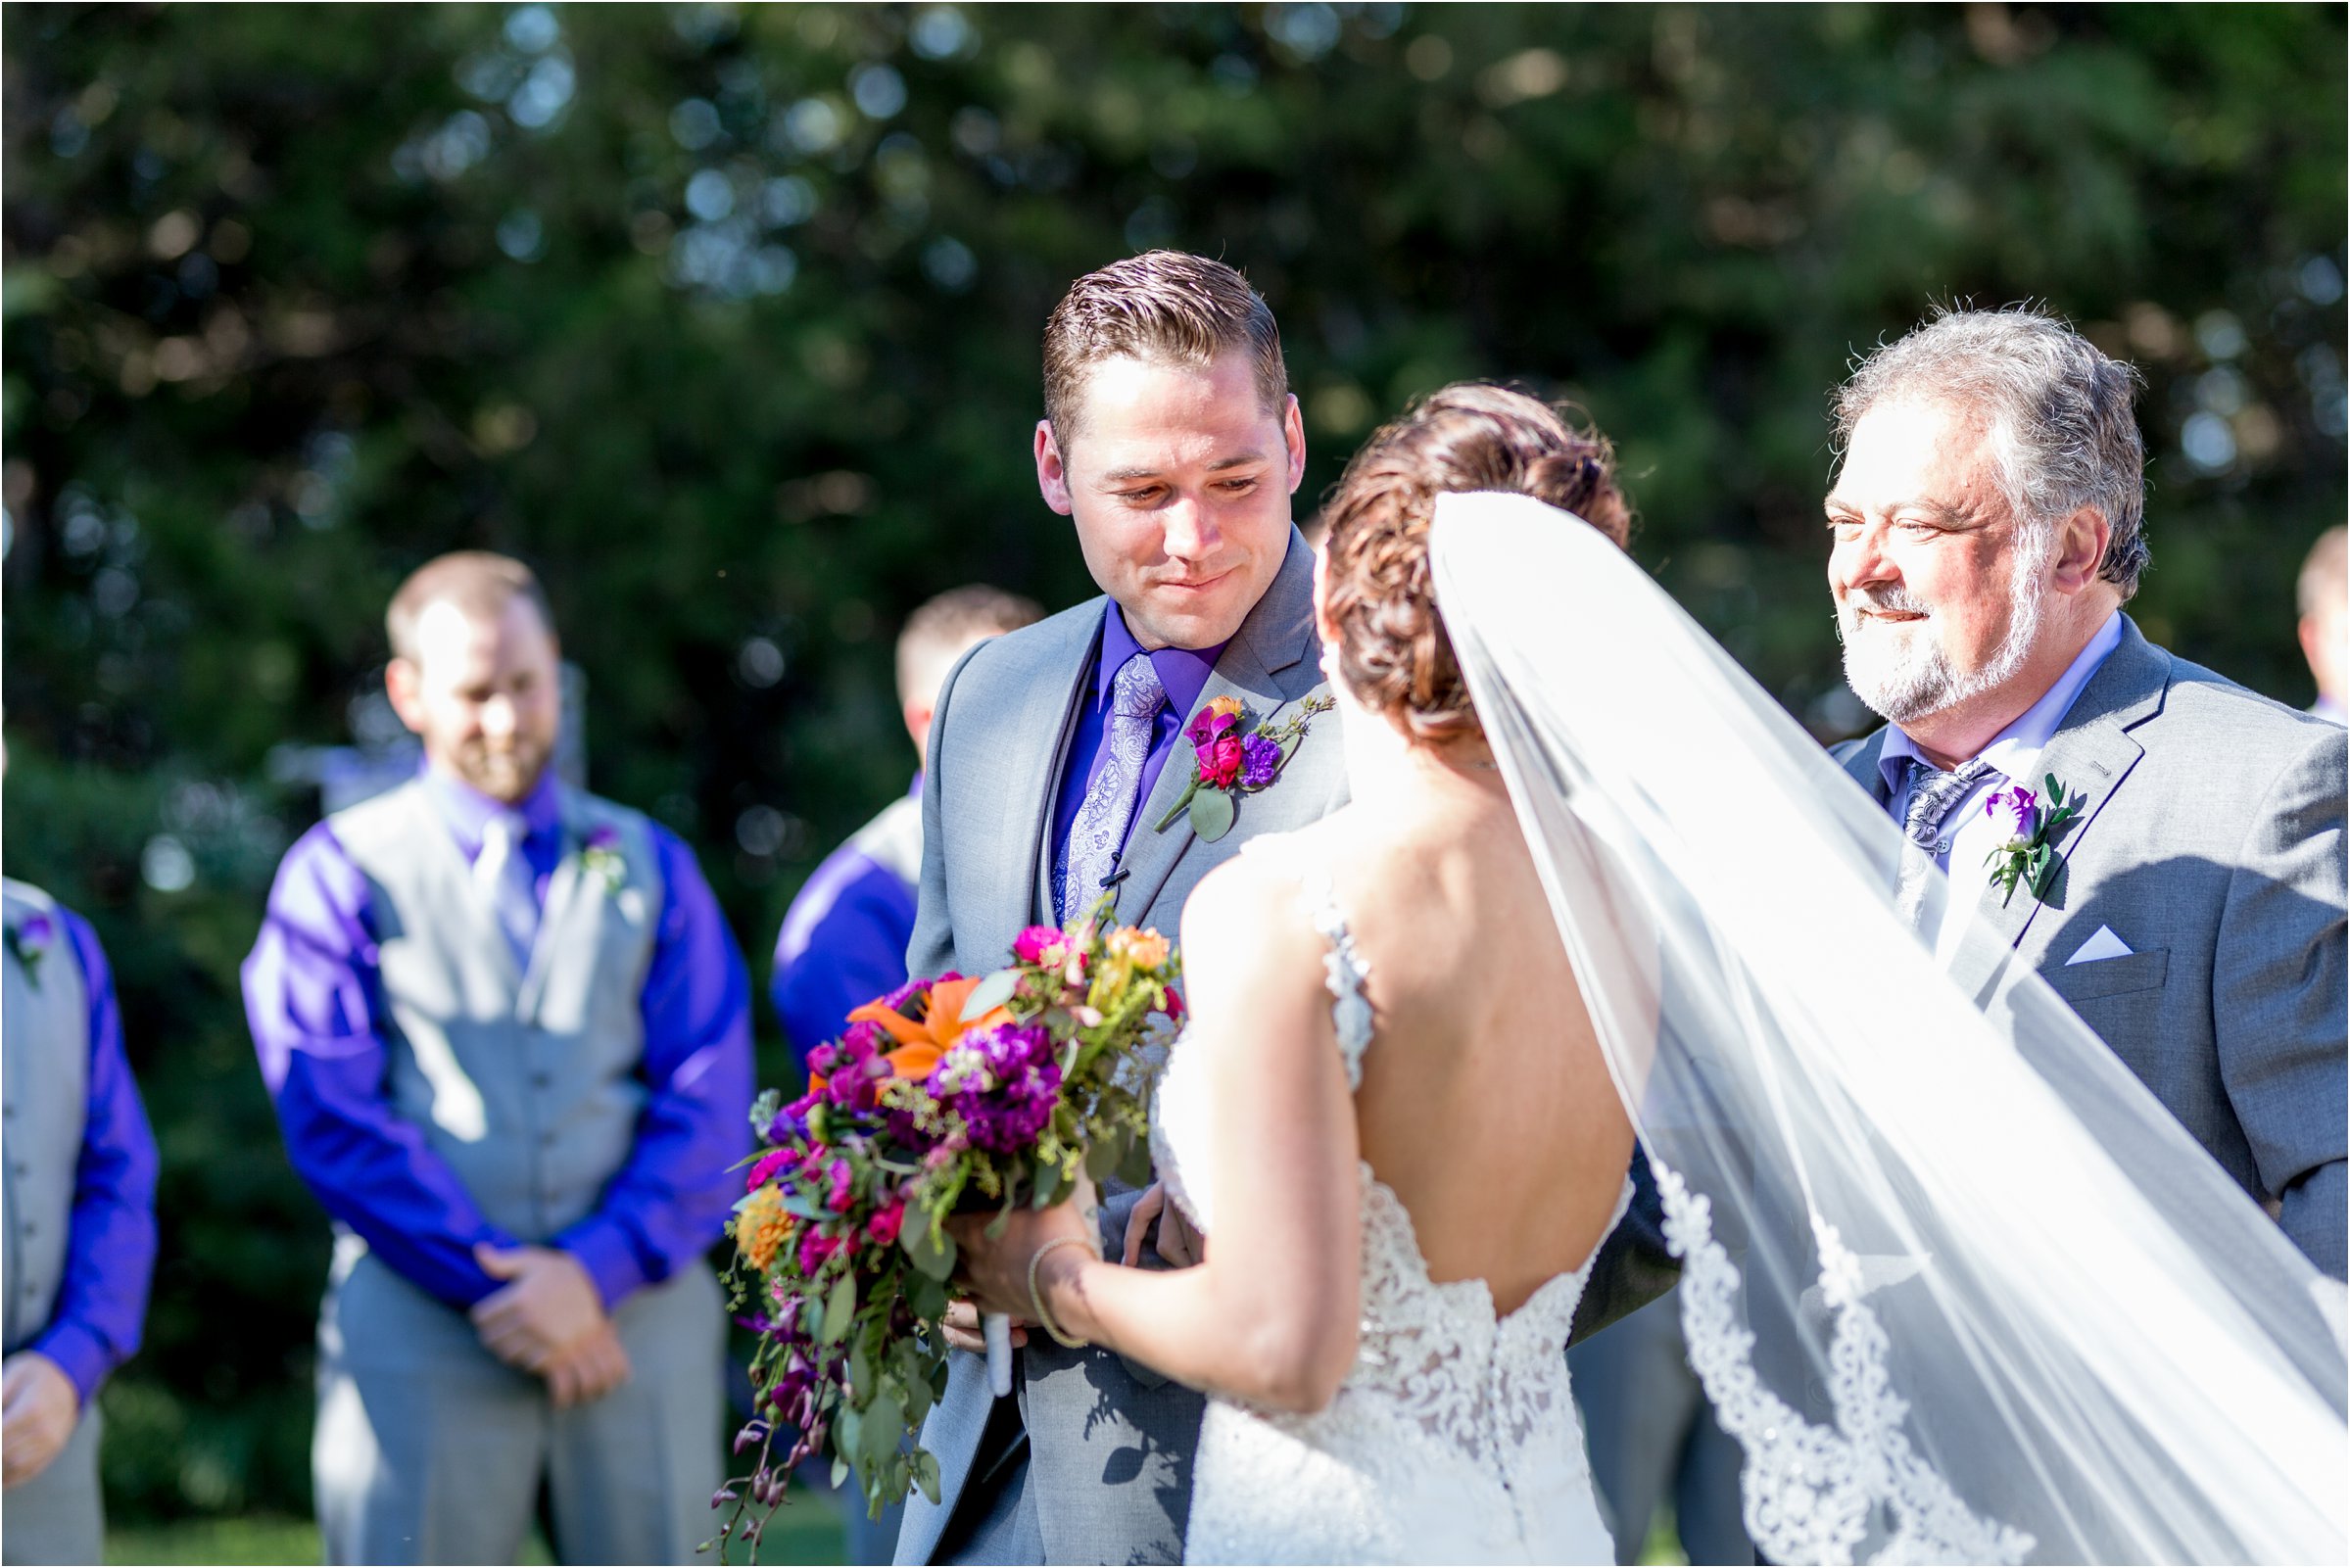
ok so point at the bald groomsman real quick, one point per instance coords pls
(507, 1036)
(81, 1173)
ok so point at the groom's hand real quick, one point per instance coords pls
(962, 1327)
(1177, 1245)
(550, 1305)
(588, 1368)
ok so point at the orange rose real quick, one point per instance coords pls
(1148, 948)
(920, 1045)
(1226, 707)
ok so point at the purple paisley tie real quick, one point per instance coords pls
(1100, 828)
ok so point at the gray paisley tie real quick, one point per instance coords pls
(1100, 828)
(1933, 793)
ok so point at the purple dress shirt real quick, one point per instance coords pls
(312, 993)
(1182, 674)
(101, 1305)
(844, 943)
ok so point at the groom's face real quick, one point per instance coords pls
(1178, 480)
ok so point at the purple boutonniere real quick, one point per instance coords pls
(601, 856)
(2033, 823)
(30, 941)
(1230, 759)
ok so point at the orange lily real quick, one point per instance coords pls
(920, 1045)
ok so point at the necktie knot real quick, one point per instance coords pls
(1136, 692)
(1933, 794)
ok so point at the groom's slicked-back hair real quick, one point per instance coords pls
(2055, 406)
(1167, 307)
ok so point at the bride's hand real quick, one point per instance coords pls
(994, 1270)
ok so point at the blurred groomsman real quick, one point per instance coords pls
(2325, 594)
(843, 941)
(80, 1176)
(507, 1033)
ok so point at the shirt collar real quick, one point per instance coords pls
(467, 811)
(1182, 672)
(2015, 750)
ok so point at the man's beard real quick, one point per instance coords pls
(507, 773)
(1906, 677)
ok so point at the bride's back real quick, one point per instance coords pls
(1485, 1102)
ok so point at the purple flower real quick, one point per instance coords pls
(2015, 810)
(1003, 1082)
(604, 835)
(37, 933)
(1260, 759)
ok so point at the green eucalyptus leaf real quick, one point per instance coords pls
(990, 993)
(840, 1466)
(861, 1369)
(933, 1256)
(1134, 1164)
(926, 1474)
(927, 1297)
(1212, 815)
(838, 1308)
(1101, 1160)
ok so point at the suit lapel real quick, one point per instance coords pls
(1051, 709)
(1273, 638)
(2093, 753)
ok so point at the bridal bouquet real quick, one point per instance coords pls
(946, 1096)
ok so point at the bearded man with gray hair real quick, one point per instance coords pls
(1988, 516)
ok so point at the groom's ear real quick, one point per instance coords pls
(1293, 435)
(1052, 473)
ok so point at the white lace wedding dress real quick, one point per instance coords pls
(1453, 1439)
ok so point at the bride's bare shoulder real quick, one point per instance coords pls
(1246, 914)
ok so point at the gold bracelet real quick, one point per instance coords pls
(1036, 1301)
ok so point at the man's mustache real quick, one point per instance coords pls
(1886, 600)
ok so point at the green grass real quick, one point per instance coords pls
(808, 1531)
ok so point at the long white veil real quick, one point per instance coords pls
(1958, 1284)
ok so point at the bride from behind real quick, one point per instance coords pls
(1389, 1113)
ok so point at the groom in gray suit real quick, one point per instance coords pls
(1057, 757)
(1987, 518)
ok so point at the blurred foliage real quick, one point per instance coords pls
(727, 320)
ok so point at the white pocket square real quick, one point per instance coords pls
(2102, 945)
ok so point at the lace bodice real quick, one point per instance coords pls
(1444, 1393)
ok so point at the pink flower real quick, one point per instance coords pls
(769, 1164)
(843, 1186)
(1039, 944)
(886, 1224)
(1219, 764)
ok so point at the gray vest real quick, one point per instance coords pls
(525, 1082)
(47, 1061)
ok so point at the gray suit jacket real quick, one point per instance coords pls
(2213, 846)
(1110, 1443)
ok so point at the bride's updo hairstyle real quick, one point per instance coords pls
(1393, 653)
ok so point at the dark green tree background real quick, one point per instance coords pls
(727, 320)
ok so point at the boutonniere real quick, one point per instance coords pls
(30, 941)
(601, 856)
(2033, 823)
(1229, 760)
